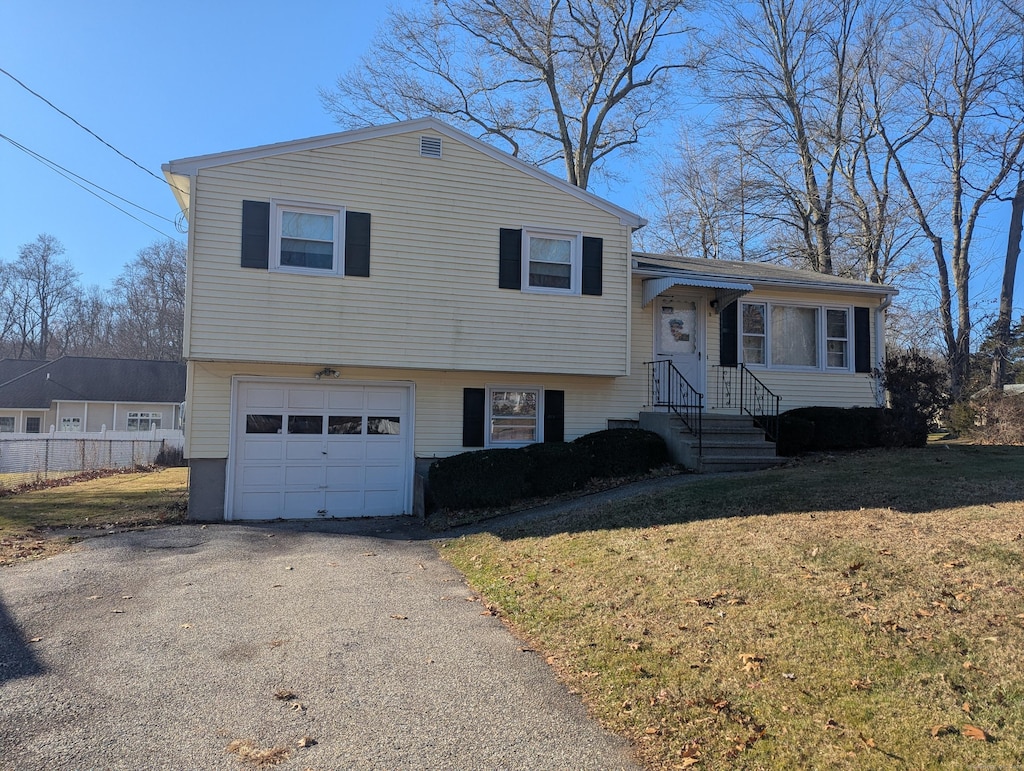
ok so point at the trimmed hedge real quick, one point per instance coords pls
(489, 478)
(816, 429)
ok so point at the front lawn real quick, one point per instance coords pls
(855, 611)
(41, 522)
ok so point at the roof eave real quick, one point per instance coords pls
(864, 288)
(190, 166)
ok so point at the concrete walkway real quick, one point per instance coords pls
(157, 649)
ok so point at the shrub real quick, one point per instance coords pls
(815, 429)
(556, 468)
(619, 452)
(480, 479)
(917, 388)
(1001, 419)
(489, 478)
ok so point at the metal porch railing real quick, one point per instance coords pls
(739, 389)
(670, 390)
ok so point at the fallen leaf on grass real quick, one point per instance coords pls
(868, 741)
(942, 730)
(861, 685)
(973, 732)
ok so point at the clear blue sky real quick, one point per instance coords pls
(161, 80)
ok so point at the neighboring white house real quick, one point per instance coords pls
(364, 302)
(84, 394)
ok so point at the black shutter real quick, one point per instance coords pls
(862, 339)
(554, 416)
(728, 335)
(510, 259)
(357, 243)
(256, 234)
(473, 417)
(593, 257)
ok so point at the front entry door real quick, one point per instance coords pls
(679, 335)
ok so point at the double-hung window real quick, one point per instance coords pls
(551, 261)
(754, 333)
(513, 416)
(837, 338)
(7, 425)
(307, 238)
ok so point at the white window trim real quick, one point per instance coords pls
(822, 341)
(278, 207)
(575, 261)
(539, 437)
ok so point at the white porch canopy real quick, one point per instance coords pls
(727, 291)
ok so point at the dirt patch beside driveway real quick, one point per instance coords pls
(159, 649)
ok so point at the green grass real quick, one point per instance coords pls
(832, 614)
(34, 523)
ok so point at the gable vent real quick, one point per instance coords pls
(430, 147)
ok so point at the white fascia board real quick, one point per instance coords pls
(189, 166)
(180, 185)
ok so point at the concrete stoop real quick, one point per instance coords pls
(731, 442)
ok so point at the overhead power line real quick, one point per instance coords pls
(74, 178)
(88, 130)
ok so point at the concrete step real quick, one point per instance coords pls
(752, 449)
(712, 463)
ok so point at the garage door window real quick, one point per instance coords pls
(305, 424)
(345, 424)
(390, 425)
(263, 424)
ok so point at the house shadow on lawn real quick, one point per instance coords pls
(909, 481)
(16, 659)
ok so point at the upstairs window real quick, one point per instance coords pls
(306, 239)
(7, 425)
(73, 425)
(551, 261)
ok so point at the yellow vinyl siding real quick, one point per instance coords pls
(432, 299)
(589, 401)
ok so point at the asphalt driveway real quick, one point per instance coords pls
(159, 649)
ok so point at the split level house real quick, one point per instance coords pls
(80, 394)
(362, 303)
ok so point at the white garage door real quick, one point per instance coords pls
(307, 451)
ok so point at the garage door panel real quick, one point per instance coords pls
(256, 451)
(345, 399)
(345, 503)
(345, 477)
(391, 399)
(381, 476)
(264, 396)
(302, 503)
(304, 476)
(298, 449)
(255, 477)
(303, 398)
(348, 451)
(257, 505)
(385, 451)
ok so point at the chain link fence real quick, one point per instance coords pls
(26, 460)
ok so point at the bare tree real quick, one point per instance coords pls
(44, 286)
(569, 80)
(88, 325)
(150, 303)
(957, 138)
(1001, 327)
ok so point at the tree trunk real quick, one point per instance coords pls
(1001, 329)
